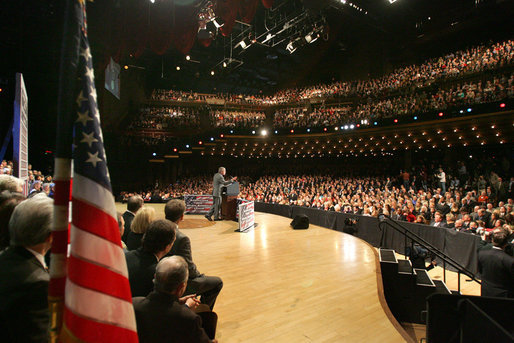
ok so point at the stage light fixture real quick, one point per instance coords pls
(187, 146)
(308, 130)
(392, 1)
(352, 126)
(346, 127)
(178, 68)
(253, 132)
(154, 154)
(502, 105)
(224, 64)
(188, 58)
(125, 67)
(470, 109)
(212, 139)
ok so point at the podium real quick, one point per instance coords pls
(229, 196)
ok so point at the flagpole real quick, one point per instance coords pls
(66, 109)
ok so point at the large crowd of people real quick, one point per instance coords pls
(166, 117)
(415, 89)
(237, 119)
(453, 65)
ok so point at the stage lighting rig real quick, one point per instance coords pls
(208, 23)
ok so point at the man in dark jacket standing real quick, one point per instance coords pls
(217, 183)
(134, 203)
(496, 267)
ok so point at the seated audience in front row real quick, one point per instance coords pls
(207, 286)
(24, 315)
(10, 183)
(139, 226)
(157, 242)
(163, 316)
(8, 201)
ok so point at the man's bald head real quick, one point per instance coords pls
(170, 273)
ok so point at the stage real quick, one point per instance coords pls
(282, 285)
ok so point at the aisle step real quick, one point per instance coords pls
(441, 287)
(387, 255)
(405, 267)
(423, 279)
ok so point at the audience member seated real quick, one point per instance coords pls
(157, 242)
(138, 227)
(8, 201)
(208, 287)
(10, 183)
(164, 315)
(24, 314)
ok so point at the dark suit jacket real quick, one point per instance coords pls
(497, 271)
(161, 318)
(127, 217)
(182, 247)
(24, 315)
(141, 268)
(217, 182)
(134, 240)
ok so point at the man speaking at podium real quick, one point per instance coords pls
(217, 183)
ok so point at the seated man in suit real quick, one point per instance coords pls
(141, 262)
(134, 203)
(163, 316)
(497, 267)
(24, 315)
(207, 286)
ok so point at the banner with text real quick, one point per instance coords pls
(246, 215)
(198, 204)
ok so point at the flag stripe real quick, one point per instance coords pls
(62, 192)
(99, 307)
(93, 193)
(112, 283)
(90, 331)
(95, 221)
(92, 248)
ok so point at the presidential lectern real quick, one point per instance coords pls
(229, 196)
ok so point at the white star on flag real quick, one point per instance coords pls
(86, 53)
(91, 74)
(93, 158)
(89, 139)
(83, 117)
(80, 99)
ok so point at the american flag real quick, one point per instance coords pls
(198, 204)
(97, 301)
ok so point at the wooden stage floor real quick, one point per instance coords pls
(283, 285)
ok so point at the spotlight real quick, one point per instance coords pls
(178, 68)
(415, 118)
(441, 114)
(152, 1)
(292, 131)
(375, 123)
(276, 131)
(187, 146)
(125, 67)
(188, 58)
(308, 130)
(212, 139)
(396, 121)
(502, 105)
(174, 149)
(218, 22)
(224, 64)
(244, 44)
(154, 154)
(346, 127)
(231, 131)
(352, 126)
(470, 109)
(264, 133)
(253, 132)
(212, 72)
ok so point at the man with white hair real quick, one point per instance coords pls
(24, 278)
(163, 316)
(10, 183)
